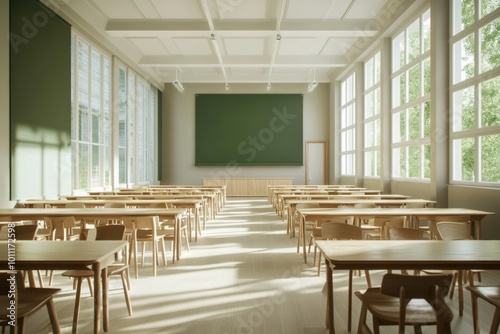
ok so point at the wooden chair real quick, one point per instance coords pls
(490, 294)
(144, 229)
(105, 232)
(407, 300)
(62, 228)
(309, 225)
(318, 235)
(343, 231)
(167, 228)
(383, 225)
(406, 233)
(451, 230)
(28, 301)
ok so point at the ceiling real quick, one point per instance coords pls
(226, 41)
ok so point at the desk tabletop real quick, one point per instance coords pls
(411, 254)
(360, 212)
(58, 253)
(35, 213)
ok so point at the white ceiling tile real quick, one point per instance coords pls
(149, 46)
(193, 46)
(337, 46)
(316, 9)
(118, 9)
(244, 46)
(178, 9)
(241, 9)
(301, 46)
(147, 9)
(365, 9)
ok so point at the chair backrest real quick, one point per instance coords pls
(158, 205)
(115, 205)
(432, 288)
(110, 232)
(453, 231)
(367, 205)
(74, 205)
(26, 232)
(405, 233)
(59, 226)
(341, 231)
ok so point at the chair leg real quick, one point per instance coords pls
(91, 289)
(126, 287)
(319, 262)
(54, 321)
(349, 302)
(76, 311)
(495, 322)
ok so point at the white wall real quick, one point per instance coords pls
(4, 105)
(179, 131)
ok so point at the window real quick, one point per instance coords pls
(91, 125)
(475, 117)
(136, 129)
(372, 116)
(411, 100)
(91, 115)
(348, 125)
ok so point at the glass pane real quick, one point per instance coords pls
(464, 165)
(369, 104)
(427, 76)
(463, 14)
(398, 52)
(83, 90)
(414, 162)
(490, 159)
(414, 123)
(463, 59)
(427, 161)
(487, 6)
(96, 170)
(463, 109)
(122, 165)
(122, 107)
(490, 46)
(399, 162)
(399, 127)
(83, 166)
(413, 32)
(490, 102)
(371, 164)
(414, 83)
(369, 80)
(426, 33)
(427, 119)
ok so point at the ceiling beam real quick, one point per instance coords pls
(340, 28)
(243, 61)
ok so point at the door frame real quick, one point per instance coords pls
(325, 159)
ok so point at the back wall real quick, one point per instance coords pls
(179, 132)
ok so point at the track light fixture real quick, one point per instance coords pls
(227, 86)
(278, 37)
(312, 80)
(177, 83)
(269, 86)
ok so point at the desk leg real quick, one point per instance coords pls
(97, 297)
(303, 230)
(329, 299)
(105, 298)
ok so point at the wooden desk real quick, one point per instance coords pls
(429, 214)
(67, 255)
(101, 214)
(335, 203)
(195, 206)
(404, 254)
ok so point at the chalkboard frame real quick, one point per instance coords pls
(249, 129)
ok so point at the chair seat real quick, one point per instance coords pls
(29, 301)
(489, 293)
(418, 311)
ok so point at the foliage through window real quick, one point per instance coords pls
(372, 116)
(475, 114)
(411, 100)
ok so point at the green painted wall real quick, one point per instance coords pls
(40, 101)
(159, 139)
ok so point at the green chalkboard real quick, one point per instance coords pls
(249, 129)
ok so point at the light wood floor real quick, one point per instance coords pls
(243, 276)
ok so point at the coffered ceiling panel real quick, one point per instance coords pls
(224, 41)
